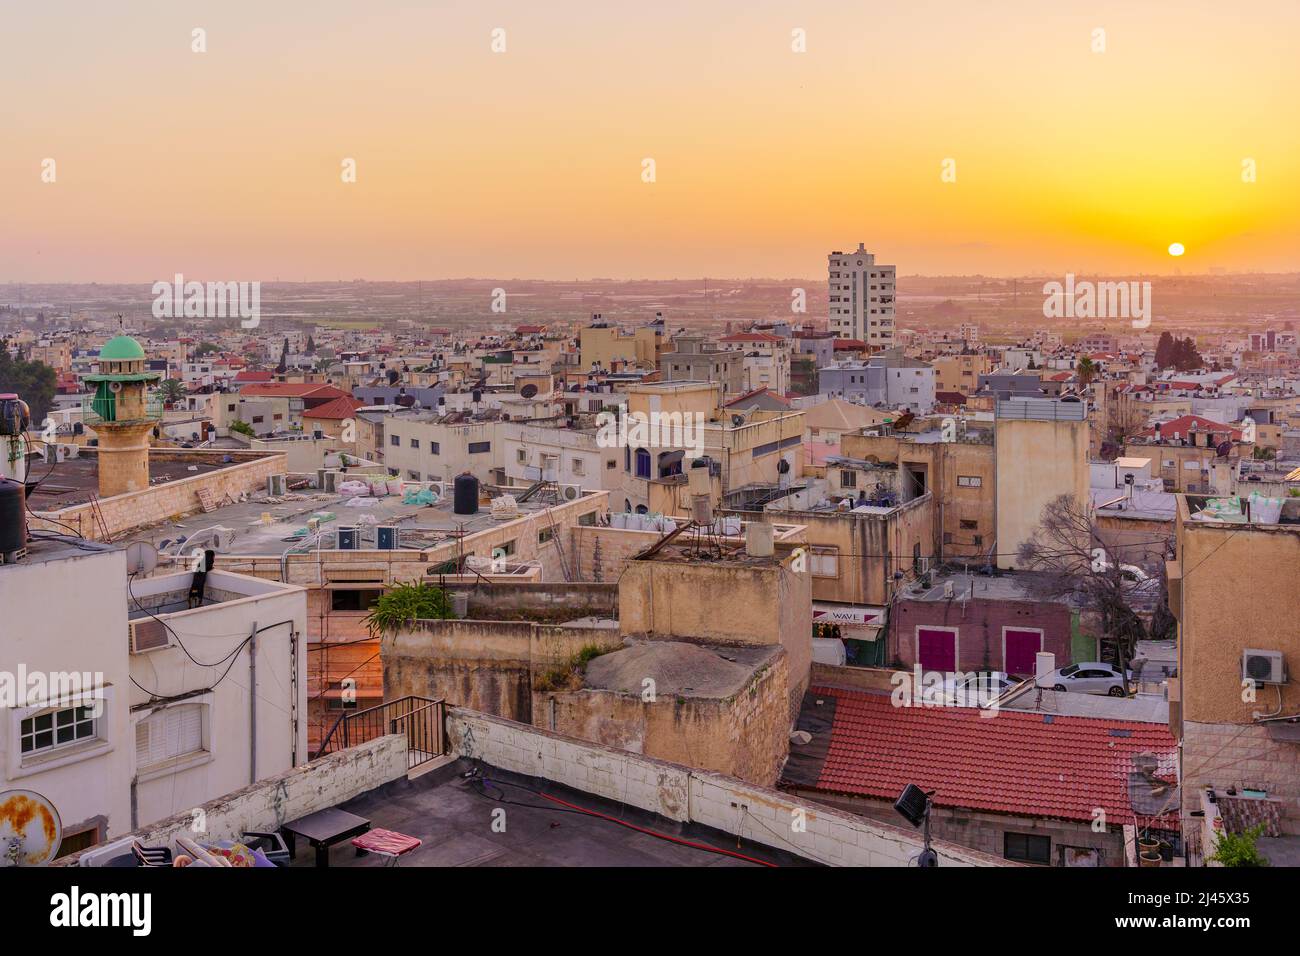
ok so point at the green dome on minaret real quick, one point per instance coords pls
(122, 348)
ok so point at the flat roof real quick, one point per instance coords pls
(422, 526)
(449, 813)
(73, 480)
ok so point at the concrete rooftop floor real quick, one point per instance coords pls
(454, 819)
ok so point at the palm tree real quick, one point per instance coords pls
(172, 391)
(1085, 372)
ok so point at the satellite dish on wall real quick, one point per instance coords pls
(141, 557)
(30, 829)
(1224, 449)
(528, 391)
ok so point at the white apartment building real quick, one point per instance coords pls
(569, 456)
(113, 720)
(861, 298)
(418, 447)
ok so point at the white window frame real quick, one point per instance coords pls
(20, 765)
(184, 761)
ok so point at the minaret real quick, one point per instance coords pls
(122, 416)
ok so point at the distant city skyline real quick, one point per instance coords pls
(951, 139)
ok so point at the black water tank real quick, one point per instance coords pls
(465, 496)
(13, 527)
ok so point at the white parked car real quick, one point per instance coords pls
(971, 690)
(1088, 677)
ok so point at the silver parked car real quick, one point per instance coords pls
(1088, 677)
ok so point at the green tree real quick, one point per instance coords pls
(405, 604)
(172, 390)
(243, 428)
(1165, 351)
(34, 382)
(1085, 371)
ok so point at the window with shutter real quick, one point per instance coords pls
(168, 734)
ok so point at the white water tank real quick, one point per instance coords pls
(759, 539)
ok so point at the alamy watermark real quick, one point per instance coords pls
(24, 688)
(922, 688)
(666, 430)
(1085, 299)
(216, 300)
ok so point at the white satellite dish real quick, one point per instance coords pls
(30, 829)
(141, 557)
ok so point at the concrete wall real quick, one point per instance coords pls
(775, 819)
(986, 832)
(172, 499)
(1037, 461)
(273, 801)
(69, 615)
(745, 735)
(728, 602)
(214, 633)
(486, 665)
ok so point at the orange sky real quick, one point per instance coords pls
(226, 164)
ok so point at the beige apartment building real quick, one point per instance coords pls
(957, 467)
(1040, 453)
(959, 373)
(1233, 589)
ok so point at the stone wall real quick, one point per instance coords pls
(745, 736)
(1240, 755)
(486, 665)
(779, 820)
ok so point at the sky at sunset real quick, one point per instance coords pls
(528, 163)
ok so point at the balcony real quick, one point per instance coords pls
(100, 409)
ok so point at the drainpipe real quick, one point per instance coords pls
(135, 803)
(252, 705)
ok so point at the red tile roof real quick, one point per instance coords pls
(337, 410)
(1014, 762)
(254, 376)
(292, 390)
(1182, 427)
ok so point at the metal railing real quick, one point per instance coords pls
(419, 719)
(96, 409)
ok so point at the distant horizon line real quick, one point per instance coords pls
(689, 279)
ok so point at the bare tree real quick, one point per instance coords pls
(1067, 549)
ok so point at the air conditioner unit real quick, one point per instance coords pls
(570, 492)
(276, 485)
(148, 634)
(442, 489)
(1263, 667)
(347, 539)
(387, 538)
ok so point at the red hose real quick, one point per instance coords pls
(655, 833)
